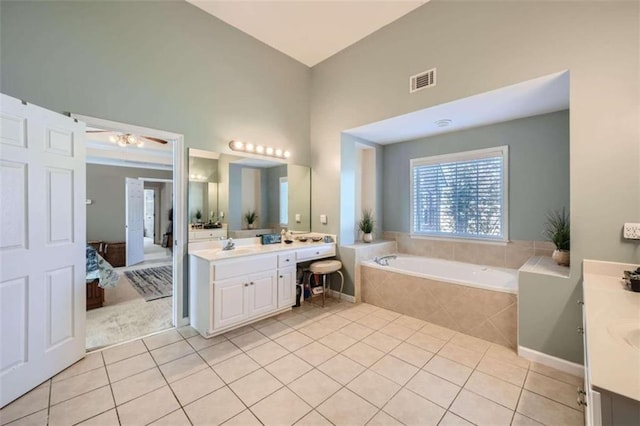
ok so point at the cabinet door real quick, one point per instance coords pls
(286, 287)
(230, 302)
(263, 293)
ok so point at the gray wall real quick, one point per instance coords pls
(299, 178)
(483, 46)
(538, 169)
(105, 187)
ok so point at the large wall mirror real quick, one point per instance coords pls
(278, 193)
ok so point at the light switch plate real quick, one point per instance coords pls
(323, 219)
(632, 231)
(298, 219)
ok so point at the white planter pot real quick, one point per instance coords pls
(367, 238)
(561, 257)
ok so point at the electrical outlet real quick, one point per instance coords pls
(632, 231)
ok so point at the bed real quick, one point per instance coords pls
(100, 275)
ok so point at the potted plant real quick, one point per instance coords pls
(198, 216)
(366, 225)
(557, 230)
(251, 216)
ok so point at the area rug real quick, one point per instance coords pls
(152, 283)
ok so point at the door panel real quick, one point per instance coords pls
(264, 293)
(134, 193)
(42, 245)
(286, 287)
(230, 302)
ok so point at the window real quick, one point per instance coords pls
(284, 198)
(461, 195)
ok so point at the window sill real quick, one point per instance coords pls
(459, 240)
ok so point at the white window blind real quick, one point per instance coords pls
(461, 195)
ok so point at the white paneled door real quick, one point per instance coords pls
(134, 193)
(42, 245)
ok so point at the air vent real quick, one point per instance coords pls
(422, 80)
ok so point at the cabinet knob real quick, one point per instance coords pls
(246, 285)
(579, 302)
(317, 252)
(581, 402)
(580, 330)
(287, 260)
(251, 283)
(281, 276)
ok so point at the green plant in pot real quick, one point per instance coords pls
(251, 216)
(366, 225)
(557, 231)
(198, 215)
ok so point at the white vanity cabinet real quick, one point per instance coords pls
(286, 279)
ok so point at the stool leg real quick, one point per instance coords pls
(341, 284)
(324, 287)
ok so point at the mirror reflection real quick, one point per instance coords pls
(203, 213)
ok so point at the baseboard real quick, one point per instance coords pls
(552, 361)
(344, 297)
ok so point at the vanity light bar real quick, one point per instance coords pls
(258, 149)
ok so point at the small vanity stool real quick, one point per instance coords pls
(324, 268)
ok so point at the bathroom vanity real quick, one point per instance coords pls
(230, 289)
(611, 330)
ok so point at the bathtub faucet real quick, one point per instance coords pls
(384, 260)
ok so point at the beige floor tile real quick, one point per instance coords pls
(352, 314)
(470, 342)
(280, 408)
(182, 367)
(374, 388)
(410, 322)
(267, 353)
(383, 419)
(412, 354)
(386, 314)
(461, 355)
(522, 420)
(434, 388)
(176, 418)
(347, 408)
(255, 386)
(288, 368)
(29, 403)
(426, 342)
(215, 408)
(130, 366)
(249, 340)
(504, 354)
(494, 389)
(198, 342)
(363, 354)
(449, 370)
(479, 410)
(81, 407)
(356, 331)
(437, 331)
(275, 330)
(412, 409)
(315, 353)
(341, 369)
(88, 363)
(503, 370)
(451, 419)
(263, 323)
(337, 341)
(123, 351)
(238, 331)
(296, 321)
(137, 385)
(547, 411)
(556, 374)
(553, 389)
(39, 418)
(218, 353)
(236, 367)
(187, 331)
(108, 418)
(192, 387)
(335, 322)
(314, 387)
(315, 330)
(394, 369)
(162, 339)
(293, 341)
(373, 322)
(381, 341)
(397, 331)
(77, 385)
(172, 351)
(246, 418)
(313, 419)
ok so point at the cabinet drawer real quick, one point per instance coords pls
(233, 268)
(286, 259)
(316, 252)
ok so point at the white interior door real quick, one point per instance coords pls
(134, 192)
(42, 245)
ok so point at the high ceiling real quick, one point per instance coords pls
(309, 31)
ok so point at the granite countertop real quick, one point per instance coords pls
(612, 316)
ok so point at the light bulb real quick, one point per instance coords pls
(238, 145)
(260, 149)
(287, 154)
(250, 147)
(269, 150)
(278, 152)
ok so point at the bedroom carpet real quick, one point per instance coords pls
(152, 283)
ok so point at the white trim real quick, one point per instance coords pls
(345, 297)
(552, 361)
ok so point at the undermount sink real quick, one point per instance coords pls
(628, 331)
(235, 252)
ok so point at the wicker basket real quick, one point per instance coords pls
(115, 253)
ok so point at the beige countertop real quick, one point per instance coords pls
(612, 316)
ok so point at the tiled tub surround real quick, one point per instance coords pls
(487, 314)
(345, 365)
(511, 255)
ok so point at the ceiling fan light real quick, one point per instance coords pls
(140, 143)
(131, 139)
(113, 138)
(122, 142)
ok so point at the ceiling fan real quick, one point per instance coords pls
(124, 139)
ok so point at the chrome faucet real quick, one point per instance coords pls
(384, 260)
(230, 245)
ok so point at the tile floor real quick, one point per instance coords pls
(345, 365)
